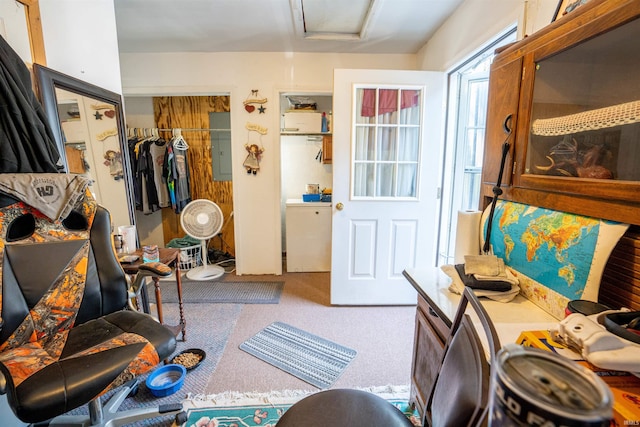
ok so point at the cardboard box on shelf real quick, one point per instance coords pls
(624, 386)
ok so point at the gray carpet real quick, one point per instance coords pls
(309, 357)
(220, 292)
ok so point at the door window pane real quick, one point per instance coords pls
(409, 146)
(386, 144)
(408, 115)
(386, 180)
(364, 144)
(363, 179)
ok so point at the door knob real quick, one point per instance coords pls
(339, 206)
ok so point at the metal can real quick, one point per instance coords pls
(533, 387)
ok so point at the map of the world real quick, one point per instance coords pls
(553, 248)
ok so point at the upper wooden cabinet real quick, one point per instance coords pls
(327, 149)
(570, 94)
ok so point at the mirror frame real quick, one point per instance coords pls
(48, 81)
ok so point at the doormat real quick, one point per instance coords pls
(220, 292)
(309, 357)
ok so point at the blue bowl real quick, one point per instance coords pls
(166, 380)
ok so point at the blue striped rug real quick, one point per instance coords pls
(313, 359)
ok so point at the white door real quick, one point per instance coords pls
(387, 128)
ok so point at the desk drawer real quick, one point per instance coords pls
(439, 325)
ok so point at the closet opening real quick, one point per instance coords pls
(305, 158)
(204, 124)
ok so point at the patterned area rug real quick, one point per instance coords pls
(220, 292)
(309, 357)
(265, 409)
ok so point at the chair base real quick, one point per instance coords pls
(107, 415)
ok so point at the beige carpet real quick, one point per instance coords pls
(382, 336)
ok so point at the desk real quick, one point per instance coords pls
(170, 257)
(437, 306)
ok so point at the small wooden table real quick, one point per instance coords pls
(170, 257)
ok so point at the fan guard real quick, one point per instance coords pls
(202, 219)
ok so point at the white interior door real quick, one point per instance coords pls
(387, 128)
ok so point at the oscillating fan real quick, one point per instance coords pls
(202, 219)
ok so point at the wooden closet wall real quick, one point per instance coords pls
(192, 112)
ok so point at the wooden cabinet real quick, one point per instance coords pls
(327, 149)
(571, 96)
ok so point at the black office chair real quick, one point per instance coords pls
(459, 396)
(67, 337)
(460, 393)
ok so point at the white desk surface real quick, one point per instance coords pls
(509, 318)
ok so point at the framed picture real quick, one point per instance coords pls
(567, 6)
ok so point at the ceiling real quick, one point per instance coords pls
(396, 26)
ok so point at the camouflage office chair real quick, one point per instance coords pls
(67, 336)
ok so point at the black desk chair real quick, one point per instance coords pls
(67, 336)
(459, 396)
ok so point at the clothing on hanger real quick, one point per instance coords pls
(176, 171)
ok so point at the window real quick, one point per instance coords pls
(464, 150)
(386, 156)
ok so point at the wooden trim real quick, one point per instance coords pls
(34, 26)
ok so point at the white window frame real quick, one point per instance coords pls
(355, 125)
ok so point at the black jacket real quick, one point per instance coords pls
(27, 144)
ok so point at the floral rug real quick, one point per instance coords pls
(265, 409)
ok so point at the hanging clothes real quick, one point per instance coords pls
(145, 175)
(27, 144)
(176, 172)
(132, 145)
(158, 150)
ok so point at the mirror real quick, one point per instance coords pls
(88, 124)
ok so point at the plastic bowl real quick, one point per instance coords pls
(166, 380)
(189, 366)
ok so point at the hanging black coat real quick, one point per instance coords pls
(27, 144)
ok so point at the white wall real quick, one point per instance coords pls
(13, 28)
(477, 22)
(80, 40)
(256, 197)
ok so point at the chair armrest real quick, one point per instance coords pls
(155, 269)
(148, 269)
